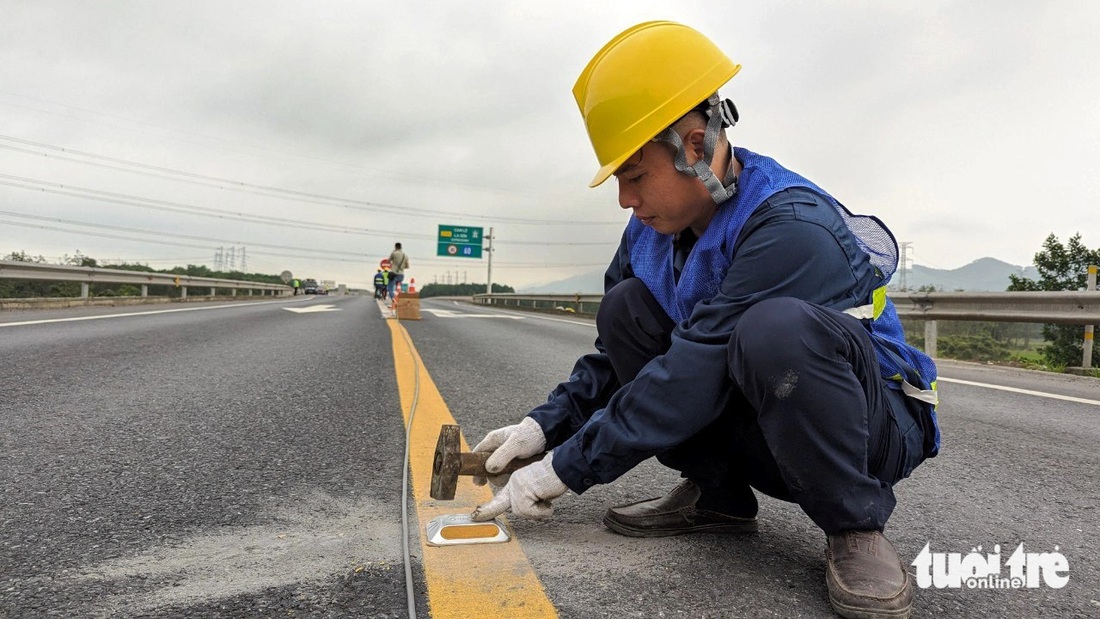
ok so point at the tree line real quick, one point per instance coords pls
(1061, 267)
(460, 290)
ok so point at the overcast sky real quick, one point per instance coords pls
(316, 134)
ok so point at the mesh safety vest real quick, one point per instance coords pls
(651, 254)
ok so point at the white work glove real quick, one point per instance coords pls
(528, 493)
(523, 440)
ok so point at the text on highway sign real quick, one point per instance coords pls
(459, 242)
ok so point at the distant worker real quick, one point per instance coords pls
(379, 285)
(297, 284)
(745, 338)
(398, 263)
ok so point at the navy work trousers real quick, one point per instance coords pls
(808, 418)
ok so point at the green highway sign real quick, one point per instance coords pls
(459, 242)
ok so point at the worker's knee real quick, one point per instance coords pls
(621, 306)
(768, 333)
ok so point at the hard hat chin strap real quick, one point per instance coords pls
(720, 114)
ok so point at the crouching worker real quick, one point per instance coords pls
(744, 339)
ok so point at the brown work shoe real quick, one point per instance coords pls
(866, 578)
(674, 514)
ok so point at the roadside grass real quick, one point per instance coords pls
(1031, 358)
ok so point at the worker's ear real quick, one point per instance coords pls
(693, 145)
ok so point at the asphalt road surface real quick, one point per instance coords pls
(245, 460)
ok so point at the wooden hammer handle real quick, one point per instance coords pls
(473, 463)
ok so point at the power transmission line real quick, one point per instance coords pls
(190, 209)
(176, 207)
(357, 257)
(269, 150)
(225, 183)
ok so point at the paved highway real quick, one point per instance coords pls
(245, 460)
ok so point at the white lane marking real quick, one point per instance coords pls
(1041, 394)
(535, 316)
(442, 313)
(167, 311)
(312, 309)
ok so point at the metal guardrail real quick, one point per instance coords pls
(1068, 307)
(579, 303)
(95, 275)
(1077, 308)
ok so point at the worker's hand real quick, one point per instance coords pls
(523, 440)
(528, 493)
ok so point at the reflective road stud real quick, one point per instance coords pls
(455, 529)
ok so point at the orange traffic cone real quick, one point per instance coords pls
(412, 285)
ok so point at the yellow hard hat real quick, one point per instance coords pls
(643, 81)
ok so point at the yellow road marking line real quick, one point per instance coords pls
(476, 580)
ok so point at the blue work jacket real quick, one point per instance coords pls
(795, 244)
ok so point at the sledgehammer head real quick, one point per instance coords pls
(450, 462)
(447, 463)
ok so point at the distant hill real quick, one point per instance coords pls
(982, 275)
(583, 283)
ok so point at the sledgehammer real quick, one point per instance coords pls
(450, 462)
